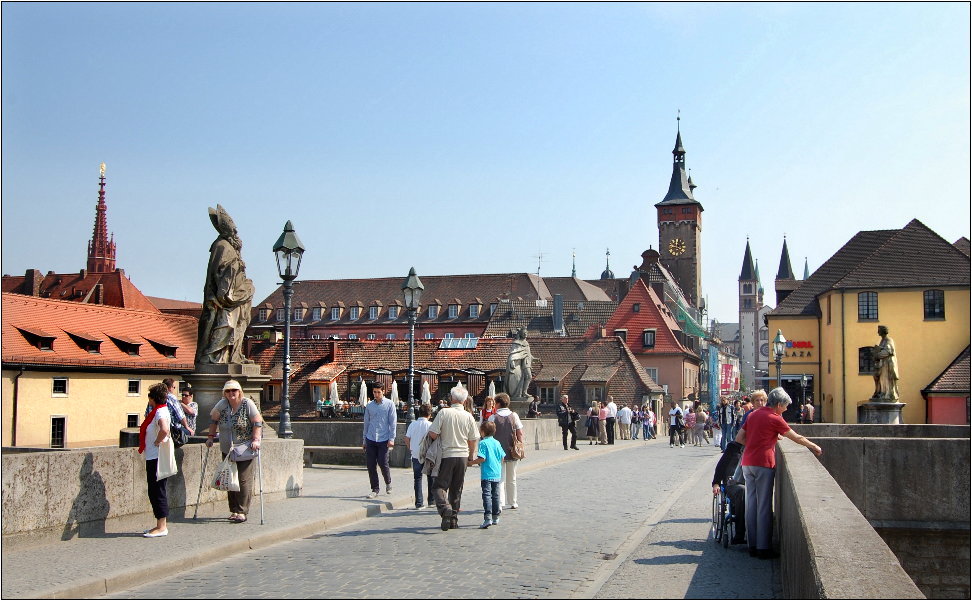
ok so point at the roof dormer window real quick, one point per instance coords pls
(433, 311)
(166, 349)
(38, 338)
(474, 311)
(87, 342)
(355, 313)
(453, 311)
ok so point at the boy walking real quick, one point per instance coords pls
(490, 457)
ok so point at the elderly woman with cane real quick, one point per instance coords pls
(240, 431)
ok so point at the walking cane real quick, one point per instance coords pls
(260, 476)
(202, 478)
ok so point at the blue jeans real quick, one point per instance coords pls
(417, 471)
(647, 431)
(491, 500)
(634, 430)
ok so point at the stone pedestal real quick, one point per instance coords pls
(521, 408)
(207, 385)
(881, 412)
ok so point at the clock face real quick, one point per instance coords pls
(676, 246)
(764, 350)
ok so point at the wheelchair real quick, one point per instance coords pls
(723, 518)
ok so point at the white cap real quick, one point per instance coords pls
(232, 385)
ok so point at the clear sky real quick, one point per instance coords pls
(470, 138)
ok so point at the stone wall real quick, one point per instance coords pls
(828, 549)
(940, 570)
(71, 493)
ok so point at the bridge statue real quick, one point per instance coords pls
(518, 374)
(227, 297)
(885, 368)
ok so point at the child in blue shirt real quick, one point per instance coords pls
(490, 457)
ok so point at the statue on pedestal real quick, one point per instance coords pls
(227, 297)
(885, 368)
(518, 364)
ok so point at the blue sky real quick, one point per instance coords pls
(469, 138)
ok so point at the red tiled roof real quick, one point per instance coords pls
(954, 379)
(61, 319)
(652, 314)
(117, 289)
(170, 303)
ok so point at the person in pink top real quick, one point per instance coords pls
(759, 434)
(602, 415)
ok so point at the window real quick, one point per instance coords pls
(492, 308)
(371, 336)
(132, 421)
(652, 373)
(594, 393)
(429, 336)
(335, 313)
(393, 312)
(433, 311)
(58, 427)
(352, 336)
(316, 314)
(828, 310)
(763, 334)
(747, 288)
(469, 335)
(865, 361)
(934, 304)
(59, 387)
(648, 339)
(264, 314)
(747, 303)
(449, 335)
(299, 314)
(372, 312)
(474, 311)
(389, 336)
(281, 314)
(867, 306)
(355, 313)
(622, 334)
(453, 311)
(134, 387)
(636, 308)
(315, 336)
(548, 394)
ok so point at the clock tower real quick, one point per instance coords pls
(680, 228)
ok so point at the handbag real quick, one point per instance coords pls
(227, 477)
(166, 465)
(242, 451)
(516, 449)
(179, 435)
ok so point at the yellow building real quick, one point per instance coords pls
(911, 281)
(75, 374)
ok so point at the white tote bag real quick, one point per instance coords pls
(166, 465)
(227, 477)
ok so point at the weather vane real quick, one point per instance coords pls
(102, 169)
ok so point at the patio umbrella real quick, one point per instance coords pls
(333, 394)
(394, 394)
(363, 393)
(426, 394)
(492, 388)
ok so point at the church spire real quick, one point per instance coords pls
(785, 272)
(748, 273)
(101, 249)
(607, 274)
(806, 269)
(573, 269)
(679, 189)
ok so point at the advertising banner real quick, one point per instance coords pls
(727, 378)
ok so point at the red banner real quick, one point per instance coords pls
(727, 378)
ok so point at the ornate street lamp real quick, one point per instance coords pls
(289, 251)
(412, 291)
(779, 347)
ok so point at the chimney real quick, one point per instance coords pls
(558, 314)
(32, 282)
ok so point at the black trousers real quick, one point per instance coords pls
(610, 429)
(447, 489)
(573, 434)
(376, 456)
(737, 494)
(157, 494)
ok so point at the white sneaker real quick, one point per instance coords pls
(683, 446)
(388, 489)
(373, 494)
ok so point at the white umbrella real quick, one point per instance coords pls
(363, 394)
(394, 395)
(333, 394)
(492, 388)
(426, 394)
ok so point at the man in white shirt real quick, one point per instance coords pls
(612, 418)
(676, 426)
(413, 438)
(624, 421)
(457, 429)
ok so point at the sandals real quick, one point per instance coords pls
(238, 518)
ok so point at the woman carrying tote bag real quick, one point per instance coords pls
(239, 423)
(153, 434)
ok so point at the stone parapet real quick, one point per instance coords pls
(63, 494)
(828, 548)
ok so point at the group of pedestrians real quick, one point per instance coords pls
(630, 419)
(240, 428)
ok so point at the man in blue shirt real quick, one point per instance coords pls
(378, 437)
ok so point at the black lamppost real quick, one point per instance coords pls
(779, 347)
(412, 291)
(289, 251)
(803, 387)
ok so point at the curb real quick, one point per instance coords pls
(143, 575)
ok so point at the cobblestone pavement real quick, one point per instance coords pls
(577, 523)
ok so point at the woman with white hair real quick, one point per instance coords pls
(240, 431)
(759, 434)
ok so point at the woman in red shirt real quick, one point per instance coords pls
(759, 434)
